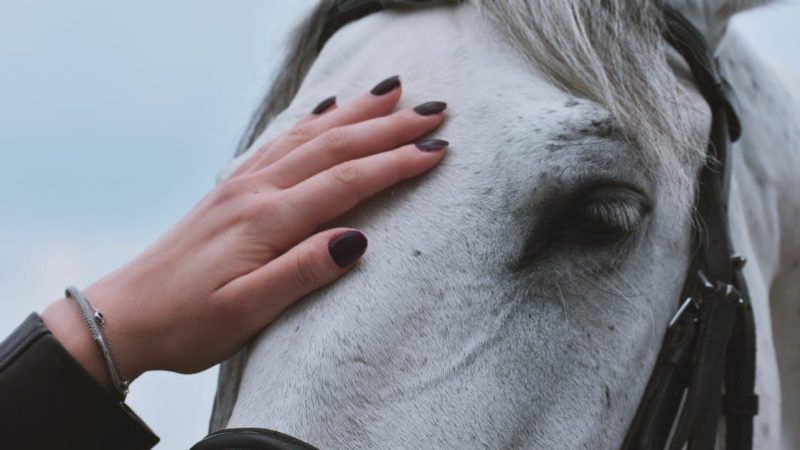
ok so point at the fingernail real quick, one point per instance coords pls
(386, 86)
(430, 108)
(324, 105)
(432, 145)
(347, 247)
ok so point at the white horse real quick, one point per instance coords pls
(516, 296)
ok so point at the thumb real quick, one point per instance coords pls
(306, 267)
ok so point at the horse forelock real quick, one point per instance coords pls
(308, 39)
(608, 51)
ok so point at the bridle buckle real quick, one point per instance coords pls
(690, 301)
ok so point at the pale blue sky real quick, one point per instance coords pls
(115, 117)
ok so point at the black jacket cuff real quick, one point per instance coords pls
(48, 400)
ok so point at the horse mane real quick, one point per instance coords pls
(610, 52)
(305, 44)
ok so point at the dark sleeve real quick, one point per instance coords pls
(48, 401)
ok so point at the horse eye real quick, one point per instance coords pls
(604, 215)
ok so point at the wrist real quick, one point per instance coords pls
(64, 321)
(112, 296)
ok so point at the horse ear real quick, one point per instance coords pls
(712, 16)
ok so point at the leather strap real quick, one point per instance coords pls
(250, 439)
(709, 351)
(690, 43)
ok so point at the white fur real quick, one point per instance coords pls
(765, 213)
(436, 340)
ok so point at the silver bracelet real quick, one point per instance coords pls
(94, 320)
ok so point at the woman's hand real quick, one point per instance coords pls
(243, 254)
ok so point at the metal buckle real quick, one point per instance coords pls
(709, 287)
(726, 290)
(682, 309)
(705, 282)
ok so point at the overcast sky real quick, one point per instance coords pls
(115, 117)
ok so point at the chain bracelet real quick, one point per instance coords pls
(94, 320)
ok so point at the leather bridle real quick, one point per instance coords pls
(250, 439)
(706, 365)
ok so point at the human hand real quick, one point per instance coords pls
(243, 254)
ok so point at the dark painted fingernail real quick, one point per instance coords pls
(347, 247)
(432, 145)
(430, 108)
(324, 105)
(386, 86)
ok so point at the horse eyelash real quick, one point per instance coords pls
(618, 213)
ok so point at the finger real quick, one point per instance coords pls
(319, 260)
(353, 141)
(325, 106)
(378, 102)
(329, 194)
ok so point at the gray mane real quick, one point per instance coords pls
(305, 44)
(608, 51)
